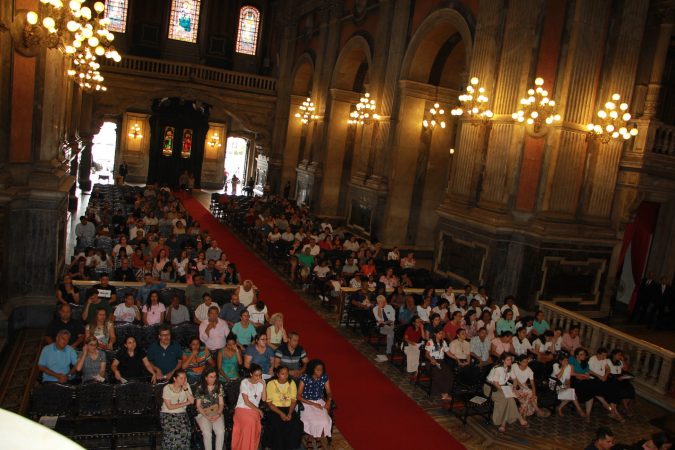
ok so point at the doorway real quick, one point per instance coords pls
(236, 155)
(103, 154)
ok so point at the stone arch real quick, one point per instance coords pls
(352, 65)
(440, 50)
(303, 75)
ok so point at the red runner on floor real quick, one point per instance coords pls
(372, 412)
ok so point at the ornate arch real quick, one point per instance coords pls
(302, 75)
(356, 51)
(437, 28)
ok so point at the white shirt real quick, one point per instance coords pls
(615, 369)
(521, 348)
(245, 298)
(253, 391)
(351, 246)
(423, 313)
(597, 366)
(567, 373)
(168, 394)
(490, 327)
(449, 297)
(461, 349)
(215, 340)
(513, 308)
(388, 314)
(499, 375)
(257, 317)
(202, 311)
(321, 271)
(436, 351)
(521, 375)
(124, 313)
(441, 312)
(543, 347)
(393, 256)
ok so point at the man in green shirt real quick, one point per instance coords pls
(195, 292)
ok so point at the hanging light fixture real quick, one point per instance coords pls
(612, 122)
(364, 111)
(135, 132)
(537, 110)
(434, 117)
(474, 102)
(214, 142)
(80, 33)
(306, 112)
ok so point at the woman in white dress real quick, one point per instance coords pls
(562, 371)
(525, 389)
(505, 409)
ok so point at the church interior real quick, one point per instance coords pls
(438, 198)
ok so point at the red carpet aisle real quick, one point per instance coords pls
(372, 413)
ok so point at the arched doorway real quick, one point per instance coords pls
(103, 153)
(236, 157)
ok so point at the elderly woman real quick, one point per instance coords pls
(525, 389)
(91, 362)
(505, 409)
(285, 428)
(176, 397)
(247, 413)
(276, 333)
(315, 394)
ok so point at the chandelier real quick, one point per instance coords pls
(80, 33)
(135, 132)
(612, 122)
(306, 113)
(434, 118)
(364, 111)
(215, 140)
(537, 110)
(474, 102)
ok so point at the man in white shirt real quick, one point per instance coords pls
(287, 236)
(351, 245)
(350, 267)
(314, 249)
(202, 311)
(213, 252)
(509, 303)
(85, 232)
(177, 313)
(127, 311)
(213, 330)
(480, 347)
(385, 318)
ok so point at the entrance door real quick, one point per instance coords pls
(236, 156)
(103, 154)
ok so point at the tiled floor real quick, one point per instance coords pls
(569, 432)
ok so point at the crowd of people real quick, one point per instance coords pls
(237, 345)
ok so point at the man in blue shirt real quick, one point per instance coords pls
(58, 360)
(231, 312)
(149, 286)
(164, 356)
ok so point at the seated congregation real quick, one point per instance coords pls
(452, 342)
(220, 363)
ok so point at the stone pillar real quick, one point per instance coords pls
(84, 174)
(660, 55)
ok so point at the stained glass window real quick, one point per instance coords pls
(249, 27)
(116, 11)
(184, 20)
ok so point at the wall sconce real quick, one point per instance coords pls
(537, 110)
(473, 103)
(135, 131)
(76, 30)
(364, 111)
(612, 122)
(434, 117)
(306, 113)
(214, 142)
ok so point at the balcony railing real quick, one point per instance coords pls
(651, 365)
(195, 73)
(664, 140)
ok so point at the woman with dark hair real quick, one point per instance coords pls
(506, 323)
(210, 405)
(101, 329)
(67, 292)
(315, 394)
(131, 363)
(505, 409)
(584, 386)
(229, 360)
(247, 414)
(604, 390)
(525, 389)
(260, 354)
(624, 389)
(435, 352)
(176, 396)
(195, 359)
(167, 275)
(159, 263)
(285, 429)
(231, 276)
(154, 311)
(414, 338)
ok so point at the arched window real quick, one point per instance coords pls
(116, 12)
(249, 28)
(184, 21)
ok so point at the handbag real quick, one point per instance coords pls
(567, 394)
(211, 410)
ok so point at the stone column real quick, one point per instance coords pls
(660, 55)
(84, 174)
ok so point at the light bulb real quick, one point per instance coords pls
(615, 134)
(609, 128)
(590, 127)
(610, 105)
(602, 114)
(549, 120)
(613, 114)
(452, 151)
(48, 22)
(597, 129)
(623, 106)
(530, 92)
(93, 41)
(626, 117)
(615, 97)
(534, 114)
(99, 51)
(514, 116)
(99, 7)
(474, 80)
(530, 121)
(87, 33)
(557, 117)
(633, 131)
(539, 81)
(32, 18)
(425, 123)
(74, 5)
(72, 26)
(442, 124)
(86, 12)
(436, 105)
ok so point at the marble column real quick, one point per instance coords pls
(84, 174)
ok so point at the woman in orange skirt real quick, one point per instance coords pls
(247, 414)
